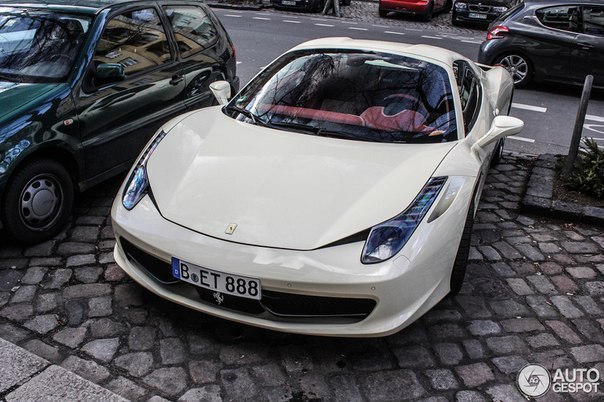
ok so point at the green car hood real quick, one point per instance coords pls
(14, 96)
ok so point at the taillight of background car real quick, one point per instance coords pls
(497, 32)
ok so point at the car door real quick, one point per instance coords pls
(590, 54)
(200, 46)
(119, 113)
(552, 48)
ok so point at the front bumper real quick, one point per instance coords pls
(400, 290)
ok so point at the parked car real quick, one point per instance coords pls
(424, 8)
(83, 87)
(479, 11)
(304, 5)
(559, 41)
(333, 195)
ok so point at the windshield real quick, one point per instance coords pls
(355, 95)
(39, 46)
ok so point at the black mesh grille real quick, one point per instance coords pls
(160, 270)
(285, 306)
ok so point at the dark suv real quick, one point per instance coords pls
(84, 86)
(556, 40)
(479, 11)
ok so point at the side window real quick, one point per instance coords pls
(567, 18)
(193, 28)
(593, 20)
(469, 93)
(136, 40)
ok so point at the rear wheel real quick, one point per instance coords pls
(519, 68)
(448, 6)
(38, 201)
(427, 16)
(461, 259)
(383, 13)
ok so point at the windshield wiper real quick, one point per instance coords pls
(255, 119)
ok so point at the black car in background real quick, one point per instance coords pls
(83, 86)
(479, 11)
(559, 41)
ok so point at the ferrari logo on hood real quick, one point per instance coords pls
(230, 229)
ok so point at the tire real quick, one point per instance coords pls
(383, 13)
(427, 16)
(461, 259)
(448, 6)
(346, 2)
(38, 201)
(498, 152)
(519, 67)
(454, 20)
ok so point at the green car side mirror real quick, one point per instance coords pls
(109, 72)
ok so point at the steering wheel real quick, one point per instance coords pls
(396, 103)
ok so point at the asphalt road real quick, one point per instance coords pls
(549, 111)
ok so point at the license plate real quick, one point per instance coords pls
(478, 15)
(218, 281)
(288, 2)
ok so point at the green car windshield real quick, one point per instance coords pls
(367, 96)
(39, 45)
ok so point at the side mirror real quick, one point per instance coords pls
(109, 72)
(502, 126)
(221, 91)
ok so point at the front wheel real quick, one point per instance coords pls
(461, 259)
(38, 201)
(519, 68)
(498, 153)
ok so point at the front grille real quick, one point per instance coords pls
(158, 269)
(274, 305)
(479, 8)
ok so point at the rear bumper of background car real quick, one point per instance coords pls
(414, 7)
(397, 291)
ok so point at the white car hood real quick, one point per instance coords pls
(282, 189)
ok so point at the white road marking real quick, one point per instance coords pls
(529, 107)
(394, 33)
(414, 29)
(319, 19)
(594, 118)
(523, 139)
(357, 29)
(239, 62)
(598, 128)
(349, 22)
(292, 22)
(324, 25)
(472, 41)
(261, 18)
(233, 15)
(432, 37)
(379, 26)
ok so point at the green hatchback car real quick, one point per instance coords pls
(84, 85)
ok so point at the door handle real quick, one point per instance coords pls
(176, 79)
(585, 45)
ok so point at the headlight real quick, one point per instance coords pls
(500, 9)
(388, 238)
(461, 6)
(138, 182)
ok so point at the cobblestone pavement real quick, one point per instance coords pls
(534, 293)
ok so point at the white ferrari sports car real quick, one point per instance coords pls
(333, 195)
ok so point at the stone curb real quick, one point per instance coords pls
(27, 377)
(539, 197)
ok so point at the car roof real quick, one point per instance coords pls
(81, 6)
(424, 51)
(548, 3)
